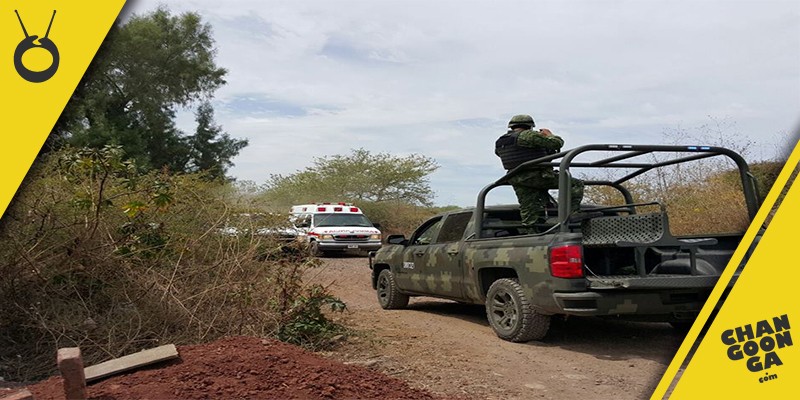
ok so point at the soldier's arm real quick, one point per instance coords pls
(535, 138)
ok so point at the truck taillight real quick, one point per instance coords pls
(337, 208)
(566, 261)
(353, 209)
(321, 209)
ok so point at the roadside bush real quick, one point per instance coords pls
(703, 198)
(400, 218)
(783, 194)
(97, 255)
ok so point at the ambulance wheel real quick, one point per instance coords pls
(314, 249)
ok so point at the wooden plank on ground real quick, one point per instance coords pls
(131, 361)
(23, 394)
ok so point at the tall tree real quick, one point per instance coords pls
(359, 176)
(143, 71)
(211, 148)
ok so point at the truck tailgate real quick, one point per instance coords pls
(650, 282)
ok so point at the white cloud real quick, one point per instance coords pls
(403, 76)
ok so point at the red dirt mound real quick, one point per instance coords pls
(243, 367)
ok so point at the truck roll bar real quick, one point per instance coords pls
(629, 151)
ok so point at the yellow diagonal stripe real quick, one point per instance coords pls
(766, 289)
(29, 110)
(710, 377)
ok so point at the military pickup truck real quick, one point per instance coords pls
(601, 261)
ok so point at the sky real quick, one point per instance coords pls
(442, 78)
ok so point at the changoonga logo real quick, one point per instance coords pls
(27, 44)
(767, 338)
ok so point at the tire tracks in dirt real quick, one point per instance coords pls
(449, 348)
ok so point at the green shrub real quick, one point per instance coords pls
(96, 255)
(307, 324)
(399, 218)
(700, 198)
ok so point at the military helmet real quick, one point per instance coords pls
(521, 120)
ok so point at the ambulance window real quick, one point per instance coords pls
(425, 235)
(453, 228)
(303, 221)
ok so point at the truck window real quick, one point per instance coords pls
(501, 217)
(425, 236)
(453, 227)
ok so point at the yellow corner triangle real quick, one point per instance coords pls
(766, 289)
(754, 298)
(29, 110)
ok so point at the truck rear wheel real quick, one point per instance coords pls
(511, 315)
(389, 296)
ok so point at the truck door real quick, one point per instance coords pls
(444, 259)
(411, 275)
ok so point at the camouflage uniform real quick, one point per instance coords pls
(531, 186)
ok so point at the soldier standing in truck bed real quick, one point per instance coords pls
(523, 143)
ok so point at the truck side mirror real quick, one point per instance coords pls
(397, 239)
(376, 225)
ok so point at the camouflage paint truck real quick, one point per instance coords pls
(602, 261)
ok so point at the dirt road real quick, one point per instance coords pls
(449, 348)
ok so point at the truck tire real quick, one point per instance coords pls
(389, 296)
(511, 315)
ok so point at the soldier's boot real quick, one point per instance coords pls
(541, 224)
(534, 227)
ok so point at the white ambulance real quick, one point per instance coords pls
(335, 227)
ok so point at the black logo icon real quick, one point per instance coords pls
(27, 44)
